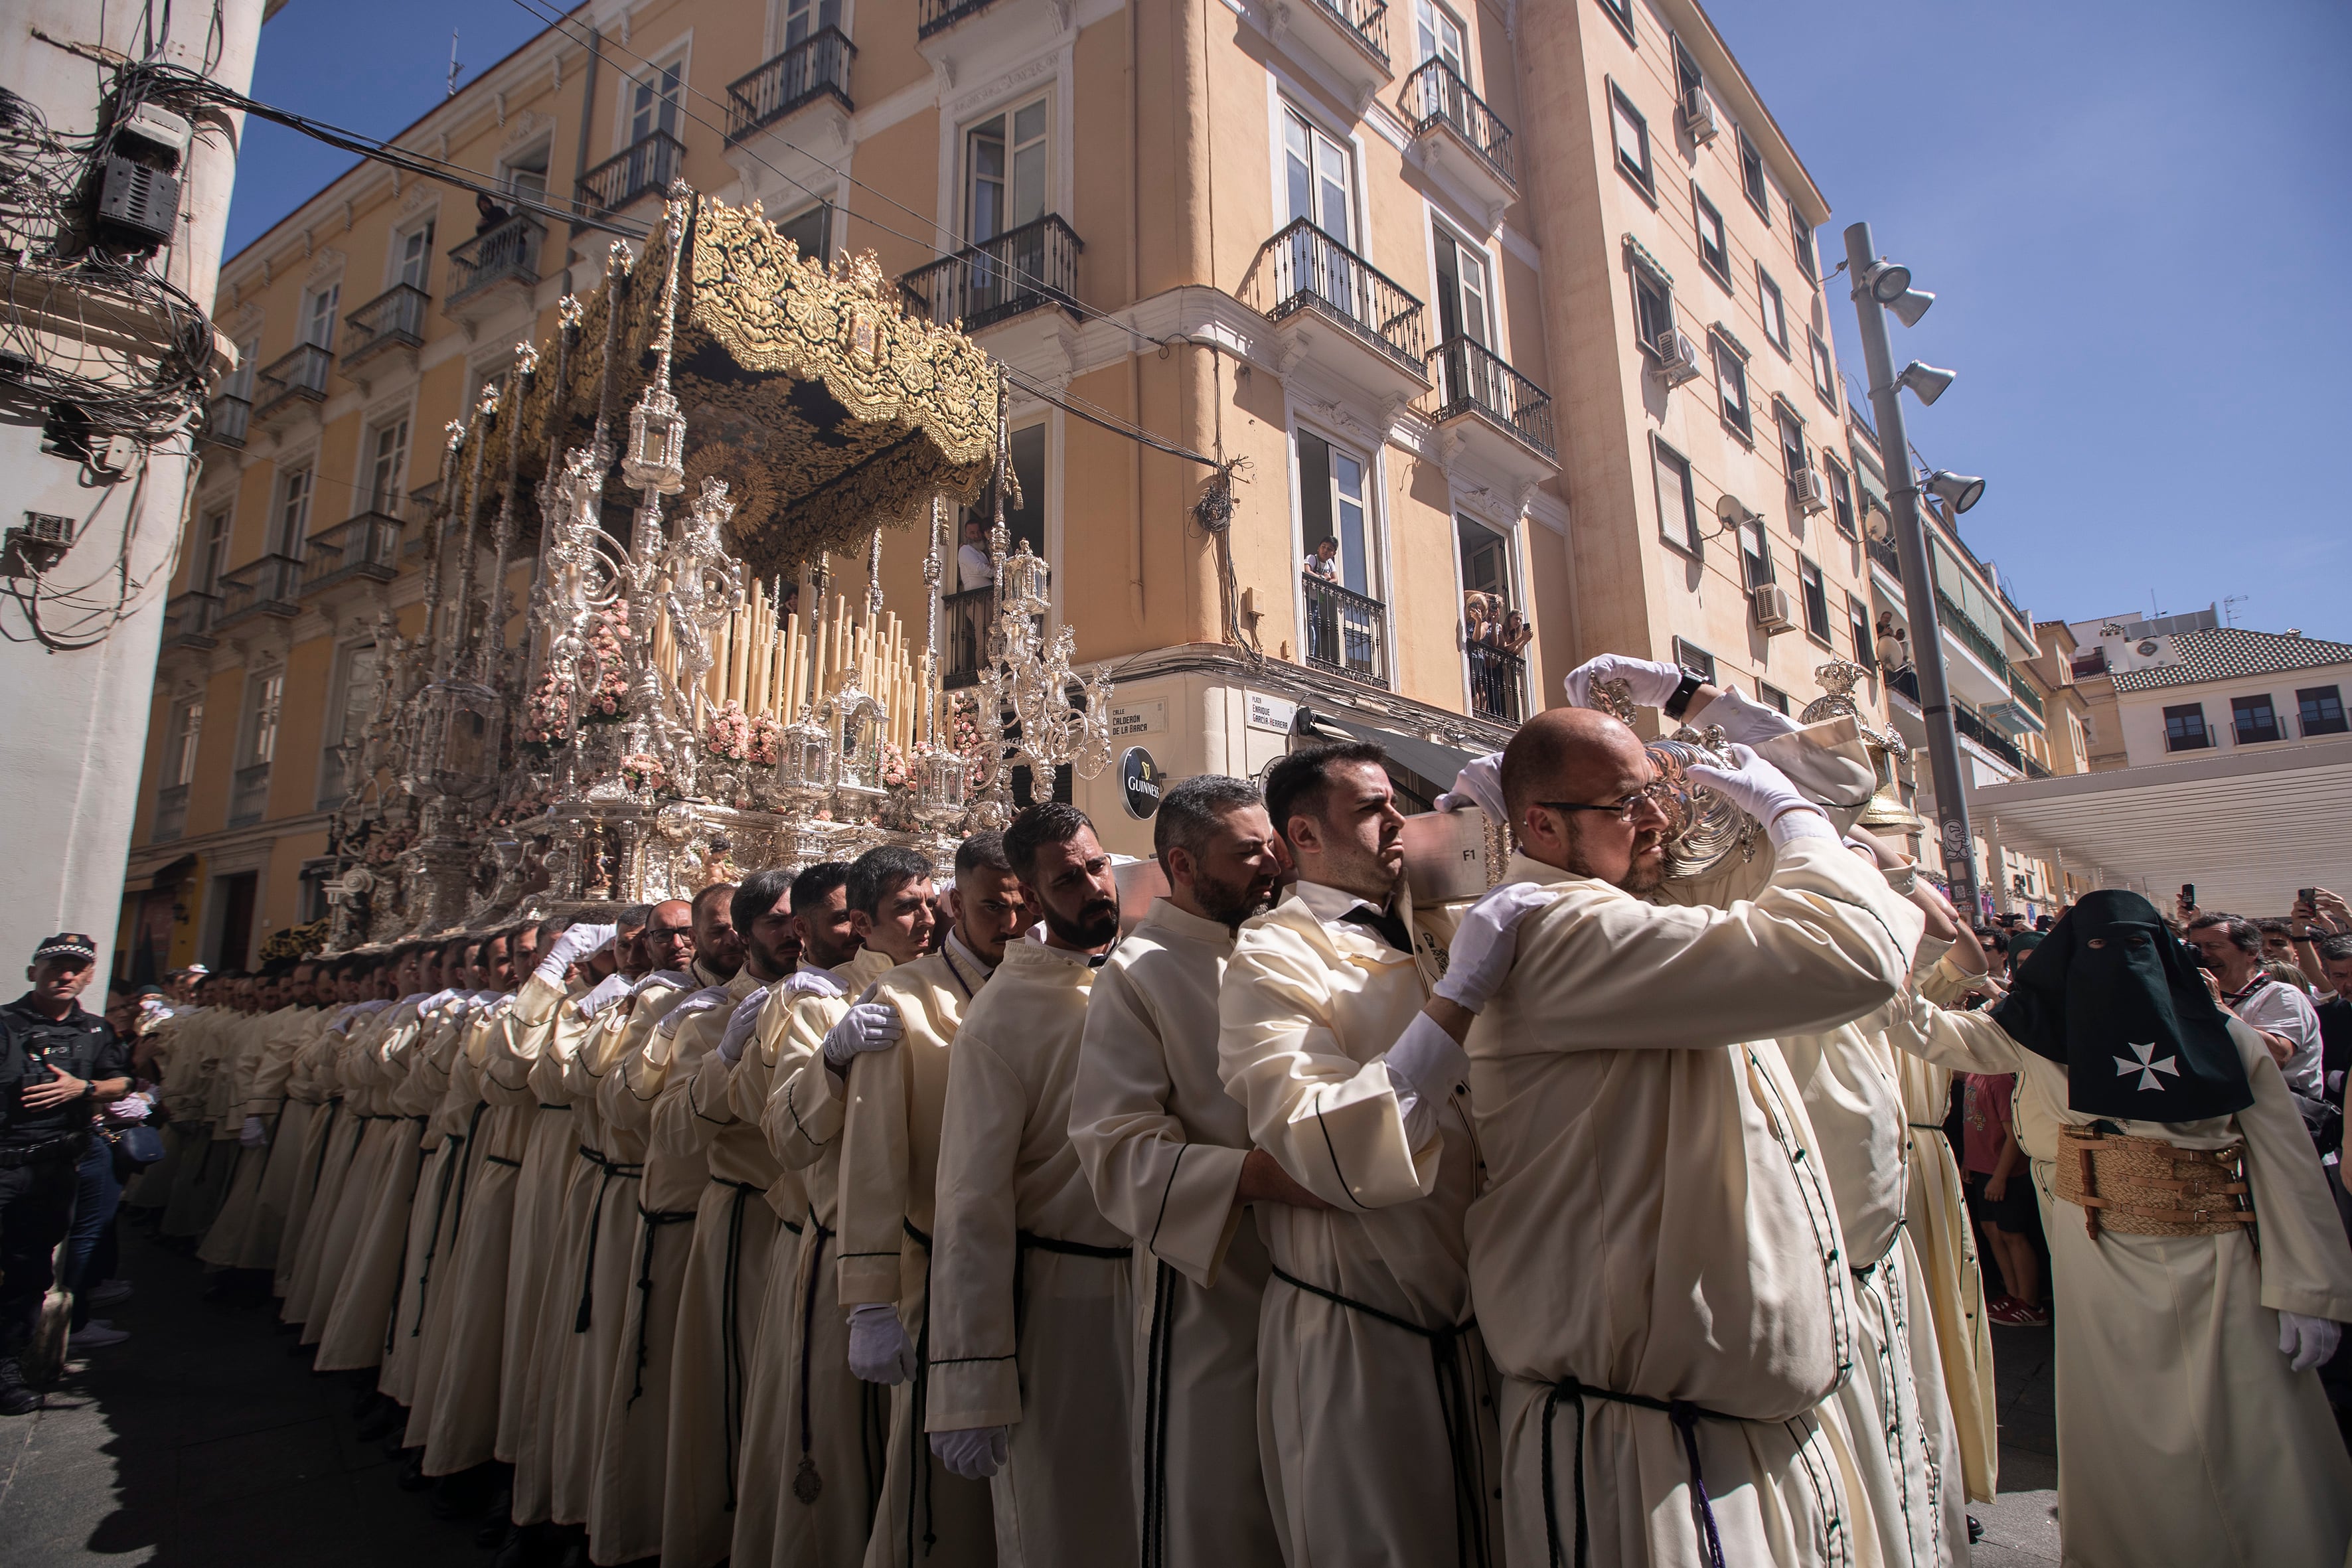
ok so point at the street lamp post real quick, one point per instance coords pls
(1919, 587)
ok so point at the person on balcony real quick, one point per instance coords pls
(1514, 634)
(974, 568)
(490, 213)
(1323, 561)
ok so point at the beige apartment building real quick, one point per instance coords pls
(1513, 304)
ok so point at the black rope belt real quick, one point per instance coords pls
(547, 1105)
(1454, 1401)
(326, 1141)
(730, 1326)
(451, 1174)
(1025, 1241)
(502, 1160)
(1155, 1355)
(654, 1221)
(612, 1169)
(807, 1485)
(1681, 1411)
(918, 1457)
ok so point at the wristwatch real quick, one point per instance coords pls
(1679, 703)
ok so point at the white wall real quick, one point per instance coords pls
(73, 725)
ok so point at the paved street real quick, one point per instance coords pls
(202, 1442)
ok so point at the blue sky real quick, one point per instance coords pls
(2126, 211)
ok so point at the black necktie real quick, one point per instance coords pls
(1386, 924)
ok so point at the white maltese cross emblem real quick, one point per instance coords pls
(2144, 1065)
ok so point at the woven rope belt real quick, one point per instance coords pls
(2146, 1186)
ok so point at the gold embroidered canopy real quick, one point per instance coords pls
(826, 408)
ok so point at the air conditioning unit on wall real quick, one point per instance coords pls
(1769, 604)
(1678, 357)
(1812, 493)
(1698, 116)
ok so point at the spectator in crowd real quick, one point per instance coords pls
(2280, 960)
(1516, 634)
(2000, 1196)
(488, 214)
(2334, 1015)
(57, 1064)
(1323, 561)
(1894, 644)
(973, 567)
(2230, 947)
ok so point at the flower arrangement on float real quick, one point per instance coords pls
(644, 772)
(609, 704)
(740, 737)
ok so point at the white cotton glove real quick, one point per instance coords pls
(879, 1350)
(1745, 720)
(1764, 793)
(605, 992)
(702, 1001)
(252, 1135)
(1649, 682)
(739, 1027)
(575, 943)
(868, 1026)
(2306, 1342)
(1423, 1066)
(975, 1453)
(1480, 784)
(1486, 943)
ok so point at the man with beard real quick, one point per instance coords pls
(1646, 1140)
(1032, 1303)
(807, 1414)
(1327, 1041)
(888, 1062)
(698, 1138)
(1167, 1154)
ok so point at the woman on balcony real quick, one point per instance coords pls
(1323, 561)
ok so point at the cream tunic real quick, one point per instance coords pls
(1163, 1146)
(810, 1474)
(359, 1314)
(328, 1132)
(1032, 1302)
(1658, 1225)
(2184, 1435)
(1375, 1416)
(357, 1141)
(889, 1173)
(244, 1234)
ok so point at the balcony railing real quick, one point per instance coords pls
(1303, 268)
(1497, 680)
(507, 253)
(1975, 638)
(641, 167)
(1882, 551)
(188, 616)
(299, 378)
(967, 616)
(394, 319)
(226, 418)
(817, 65)
(266, 585)
(1368, 20)
(2023, 690)
(248, 795)
(1020, 269)
(1906, 681)
(1471, 379)
(367, 546)
(171, 814)
(2034, 770)
(1968, 722)
(1345, 631)
(1436, 95)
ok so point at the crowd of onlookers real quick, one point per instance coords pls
(2288, 977)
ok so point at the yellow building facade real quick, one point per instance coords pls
(1515, 306)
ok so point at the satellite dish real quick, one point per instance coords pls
(1733, 511)
(1882, 527)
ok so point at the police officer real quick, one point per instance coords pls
(57, 1065)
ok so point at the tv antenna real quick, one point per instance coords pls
(454, 67)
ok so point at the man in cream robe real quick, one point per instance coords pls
(244, 1234)
(284, 1172)
(1032, 1297)
(632, 1456)
(697, 1131)
(1167, 1154)
(809, 1473)
(311, 1105)
(1375, 1420)
(887, 1061)
(2185, 1431)
(351, 1131)
(196, 1105)
(1656, 1259)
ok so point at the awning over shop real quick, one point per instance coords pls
(2247, 827)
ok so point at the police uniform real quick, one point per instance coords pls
(41, 1147)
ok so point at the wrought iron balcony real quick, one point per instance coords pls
(1973, 637)
(365, 546)
(2021, 689)
(188, 619)
(297, 380)
(1346, 632)
(638, 169)
(1020, 269)
(1437, 99)
(938, 16)
(1882, 551)
(171, 814)
(1364, 22)
(1472, 380)
(226, 418)
(965, 621)
(1497, 680)
(485, 267)
(1973, 724)
(248, 795)
(266, 585)
(1304, 269)
(817, 66)
(393, 319)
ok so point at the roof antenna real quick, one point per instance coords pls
(2229, 604)
(454, 67)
